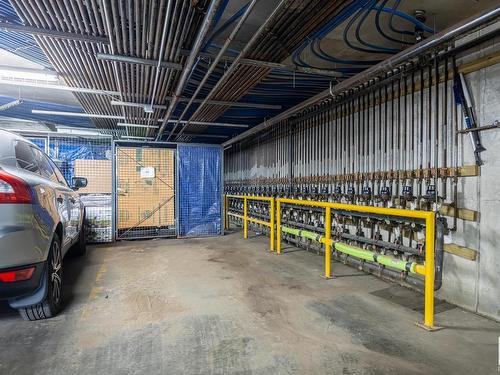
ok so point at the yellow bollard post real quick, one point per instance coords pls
(430, 233)
(226, 210)
(271, 219)
(245, 222)
(278, 227)
(328, 233)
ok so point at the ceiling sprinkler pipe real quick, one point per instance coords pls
(213, 66)
(466, 26)
(241, 55)
(149, 108)
(202, 33)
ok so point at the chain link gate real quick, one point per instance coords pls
(145, 192)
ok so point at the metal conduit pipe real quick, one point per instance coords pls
(52, 33)
(202, 33)
(290, 30)
(315, 234)
(466, 26)
(184, 99)
(235, 63)
(53, 47)
(160, 58)
(107, 14)
(439, 252)
(367, 266)
(213, 66)
(381, 271)
(173, 48)
(380, 243)
(79, 57)
(353, 237)
(174, 52)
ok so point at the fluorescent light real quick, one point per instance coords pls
(27, 74)
(76, 114)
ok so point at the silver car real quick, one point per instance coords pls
(41, 218)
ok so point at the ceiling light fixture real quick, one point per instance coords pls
(7, 72)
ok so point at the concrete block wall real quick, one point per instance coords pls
(475, 285)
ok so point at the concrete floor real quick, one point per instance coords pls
(226, 306)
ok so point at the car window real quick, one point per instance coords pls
(45, 167)
(25, 157)
(58, 173)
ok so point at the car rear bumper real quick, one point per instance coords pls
(21, 289)
(24, 236)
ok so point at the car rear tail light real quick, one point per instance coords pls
(17, 275)
(13, 189)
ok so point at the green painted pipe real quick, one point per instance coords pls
(302, 233)
(356, 251)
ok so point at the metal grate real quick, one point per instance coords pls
(89, 158)
(145, 203)
(200, 180)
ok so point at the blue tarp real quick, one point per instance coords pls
(65, 152)
(199, 190)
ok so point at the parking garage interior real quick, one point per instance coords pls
(249, 187)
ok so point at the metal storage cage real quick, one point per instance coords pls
(156, 193)
(88, 157)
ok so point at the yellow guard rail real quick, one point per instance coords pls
(246, 219)
(429, 217)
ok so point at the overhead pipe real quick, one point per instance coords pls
(160, 58)
(221, 124)
(194, 135)
(107, 20)
(466, 26)
(289, 28)
(118, 117)
(39, 31)
(205, 123)
(202, 33)
(250, 62)
(275, 65)
(213, 66)
(185, 99)
(236, 61)
(139, 61)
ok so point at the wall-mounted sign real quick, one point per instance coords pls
(147, 172)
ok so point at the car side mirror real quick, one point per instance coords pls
(79, 182)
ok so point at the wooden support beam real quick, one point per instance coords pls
(463, 213)
(461, 251)
(469, 171)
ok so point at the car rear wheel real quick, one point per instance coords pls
(51, 305)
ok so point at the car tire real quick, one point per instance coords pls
(80, 248)
(51, 305)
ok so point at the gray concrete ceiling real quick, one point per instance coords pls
(440, 15)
